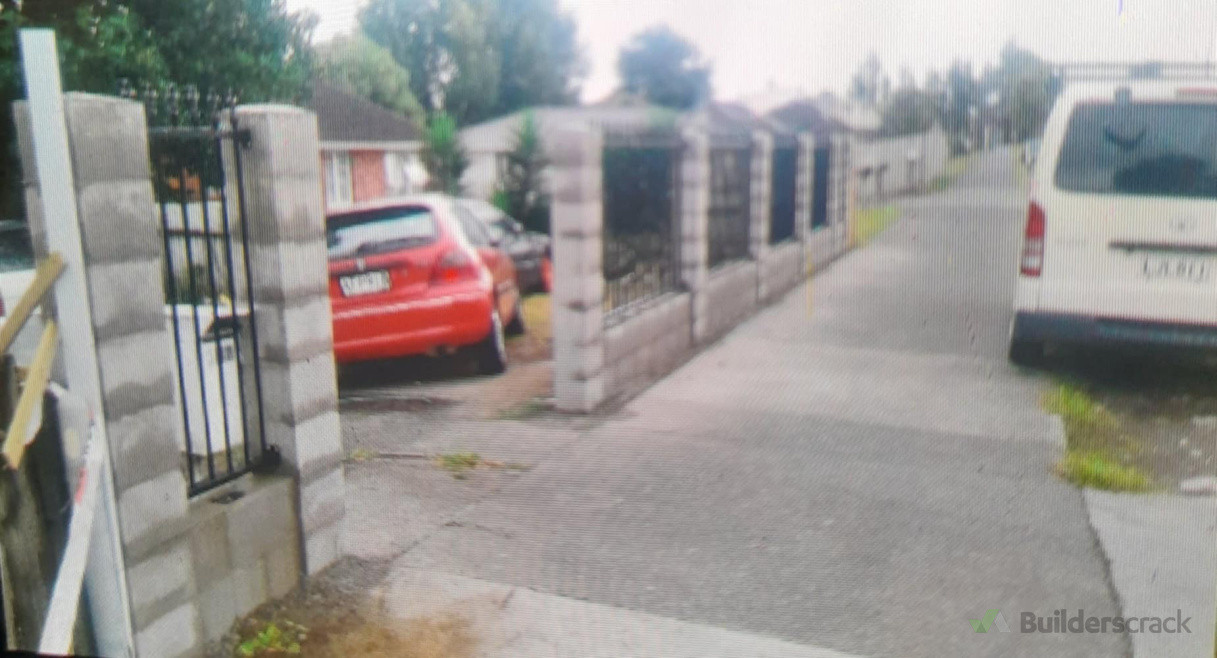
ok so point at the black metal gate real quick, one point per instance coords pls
(195, 147)
(785, 193)
(641, 217)
(730, 201)
(819, 193)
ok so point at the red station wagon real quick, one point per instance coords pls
(415, 276)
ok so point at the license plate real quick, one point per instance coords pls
(365, 283)
(1177, 268)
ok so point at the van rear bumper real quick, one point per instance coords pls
(1085, 329)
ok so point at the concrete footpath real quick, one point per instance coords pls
(1162, 551)
(516, 622)
(857, 468)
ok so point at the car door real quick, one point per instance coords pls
(507, 294)
(1130, 210)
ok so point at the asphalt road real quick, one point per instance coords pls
(855, 468)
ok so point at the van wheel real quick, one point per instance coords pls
(1026, 353)
(516, 326)
(492, 351)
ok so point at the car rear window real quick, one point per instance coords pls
(380, 231)
(1145, 149)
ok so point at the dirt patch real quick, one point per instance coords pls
(537, 343)
(334, 618)
(1164, 406)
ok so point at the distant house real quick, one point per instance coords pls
(367, 151)
(487, 144)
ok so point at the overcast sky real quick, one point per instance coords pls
(817, 44)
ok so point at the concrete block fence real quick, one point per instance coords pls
(602, 358)
(194, 565)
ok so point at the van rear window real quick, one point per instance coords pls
(1145, 149)
(379, 231)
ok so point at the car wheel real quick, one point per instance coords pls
(547, 274)
(516, 326)
(492, 351)
(1026, 353)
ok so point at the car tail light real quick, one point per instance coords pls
(1032, 261)
(455, 266)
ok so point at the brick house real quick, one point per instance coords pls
(367, 151)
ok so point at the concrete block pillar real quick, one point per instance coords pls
(286, 224)
(761, 192)
(804, 190)
(695, 227)
(842, 232)
(120, 241)
(578, 298)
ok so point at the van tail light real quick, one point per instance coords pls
(1032, 261)
(455, 266)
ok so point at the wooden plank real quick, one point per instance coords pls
(46, 274)
(35, 385)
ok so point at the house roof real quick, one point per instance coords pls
(805, 115)
(345, 117)
(498, 135)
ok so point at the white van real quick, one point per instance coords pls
(1120, 245)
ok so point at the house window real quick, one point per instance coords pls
(338, 188)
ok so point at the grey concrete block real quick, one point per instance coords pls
(578, 257)
(216, 608)
(575, 149)
(153, 510)
(249, 588)
(126, 297)
(311, 447)
(160, 583)
(283, 210)
(586, 292)
(108, 138)
(283, 140)
(322, 548)
(283, 572)
(576, 189)
(300, 329)
(136, 372)
(118, 222)
(145, 444)
(209, 543)
(290, 271)
(260, 522)
(580, 327)
(297, 392)
(583, 396)
(174, 634)
(323, 501)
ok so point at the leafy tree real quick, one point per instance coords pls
(869, 84)
(664, 68)
(909, 110)
(962, 95)
(253, 47)
(520, 193)
(479, 58)
(539, 58)
(1024, 82)
(363, 67)
(444, 155)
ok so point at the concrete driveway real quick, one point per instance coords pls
(856, 469)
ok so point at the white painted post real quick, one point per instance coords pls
(105, 573)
